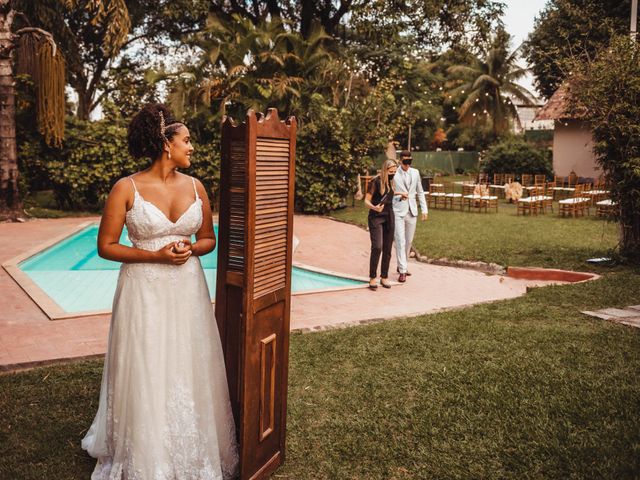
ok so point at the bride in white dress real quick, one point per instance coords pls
(164, 411)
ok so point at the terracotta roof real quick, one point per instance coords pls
(555, 108)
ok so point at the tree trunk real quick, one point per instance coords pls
(84, 104)
(10, 201)
(629, 232)
(306, 18)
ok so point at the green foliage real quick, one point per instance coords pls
(567, 29)
(324, 170)
(606, 92)
(477, 137)
(94, 156)
(517, 156)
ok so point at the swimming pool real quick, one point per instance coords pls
(78, 280)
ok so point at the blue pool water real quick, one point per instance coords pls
(77, 279)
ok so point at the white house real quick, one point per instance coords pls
(572, 138)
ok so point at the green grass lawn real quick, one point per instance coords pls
(521, 388)
(505, 238)
(524, 388)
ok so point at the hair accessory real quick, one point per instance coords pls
(162, 126)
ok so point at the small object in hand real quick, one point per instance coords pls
(176, 246)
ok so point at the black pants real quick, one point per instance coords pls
(381, 227)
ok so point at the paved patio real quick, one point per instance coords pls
(28, 337)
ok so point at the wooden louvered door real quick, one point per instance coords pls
(253, 295)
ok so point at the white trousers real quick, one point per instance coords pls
(405, 229)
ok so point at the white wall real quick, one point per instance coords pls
(573, 150)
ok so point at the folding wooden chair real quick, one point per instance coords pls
(606, 208)
(574, 205)
(489, 202)
(471, 199)
(539, 179)
(452, 198)
(526, 179)
(530, 204)
(436, 195)
(598, 192)
(497, 187)
(546, 199)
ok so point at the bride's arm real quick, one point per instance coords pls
(205, 237)
(111, 224)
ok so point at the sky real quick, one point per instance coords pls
(518, 20)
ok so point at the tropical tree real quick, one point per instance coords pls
(605, 92)
(487, 85)
(40, 58)
(245, 65)
(567, 29)
(89, 33)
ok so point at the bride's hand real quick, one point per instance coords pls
(182, 246)
(174, 255)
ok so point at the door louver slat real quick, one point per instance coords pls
(237, 208)
(272, 200)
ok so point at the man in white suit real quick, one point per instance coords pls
(407, 180)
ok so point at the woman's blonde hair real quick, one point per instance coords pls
(384, 174)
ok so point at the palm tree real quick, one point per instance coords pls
(488, 85)
(39, 57)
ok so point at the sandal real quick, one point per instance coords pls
(385, 284)
(373, 286)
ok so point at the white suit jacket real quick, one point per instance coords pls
(409, 182)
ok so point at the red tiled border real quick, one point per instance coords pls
(526, 273)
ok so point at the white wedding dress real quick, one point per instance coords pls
(164, 411)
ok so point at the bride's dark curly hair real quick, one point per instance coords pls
(145, 135)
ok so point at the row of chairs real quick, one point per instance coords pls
(583, 197)
(473, 196)
(540, 199)
(559, 188)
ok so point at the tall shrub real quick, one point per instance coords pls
(606, 92)
(324, 171)
(94, 156)
(516, 156)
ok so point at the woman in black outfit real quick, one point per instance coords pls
(379, 200)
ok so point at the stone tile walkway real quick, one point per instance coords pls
(629, 316)
(28, 337)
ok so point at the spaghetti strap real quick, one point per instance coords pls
(134, 183)
(193, 180)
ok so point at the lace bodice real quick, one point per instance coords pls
(150, 229)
